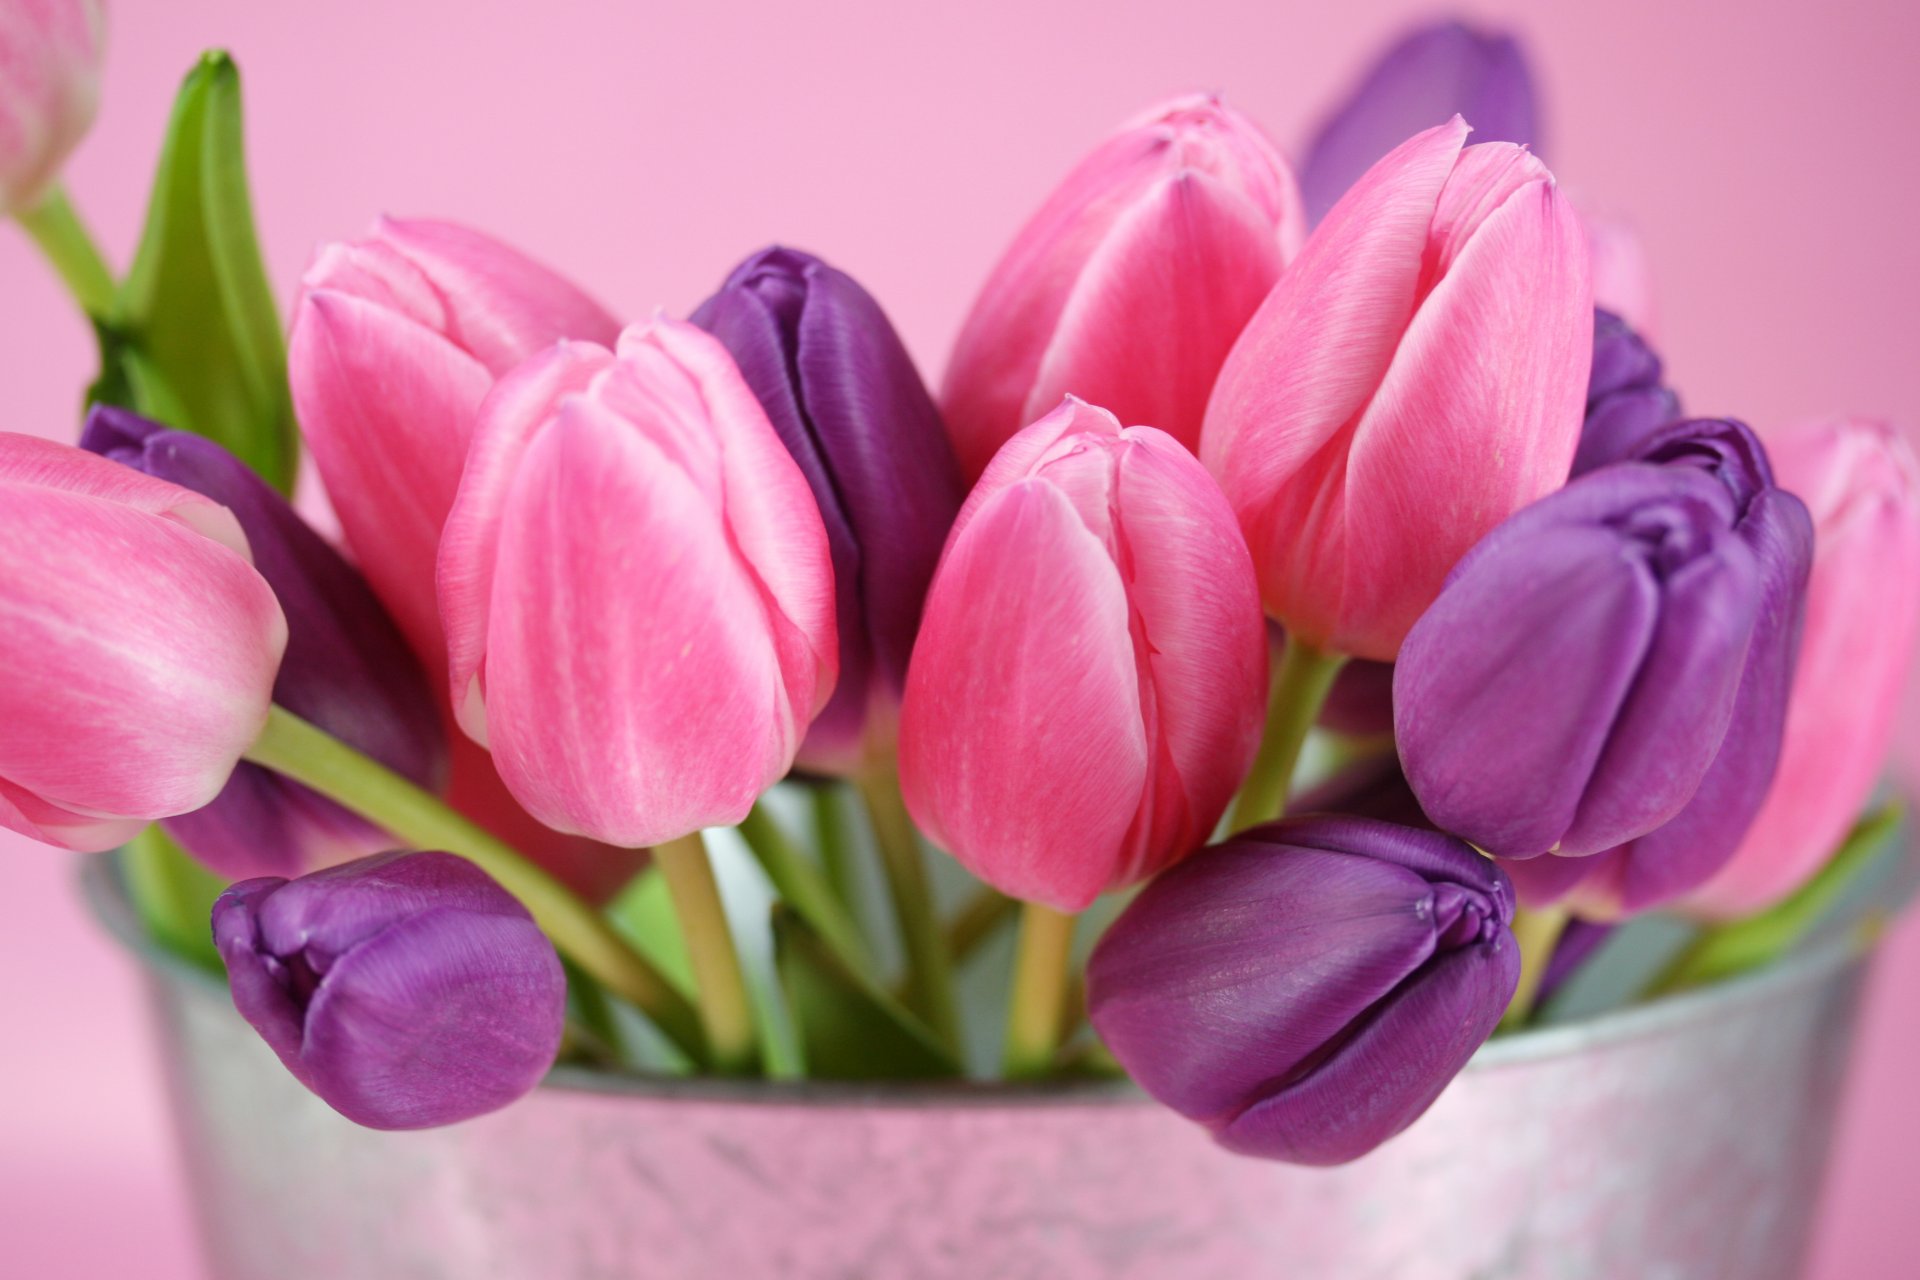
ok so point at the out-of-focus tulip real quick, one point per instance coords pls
(1432, 73)
(1132, 281)
(842, 392)
(346, 669)
(50, 64)
(1627, 404)
(1308, 988)
(637, 589)
(1622, 278)
(396, 340)
(407, 990)
(1360, 703)
(1862, 482)
(1085, 696)
(1417, 375)
(1696, 842)
(139, 643)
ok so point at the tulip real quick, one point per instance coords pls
(1360, 704)
(406, 990)
(139, 643)
(50, 63)
(1431, 73)
(396, 340)
(1085, 695)
(843, 394)
(1416, 376)
(346, 669)
(1862, 482)
(1627, 404)
(637, 589)
(1622, 277)
(1307, 989)
(1131, 282)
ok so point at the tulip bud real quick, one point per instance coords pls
(1085, 696)
(843, 394)
(1307, 989)
(1417, 375)
(346, 669)
(1430, 74)
(50, 64)
(1626, 401)
(406, 990)
(396, 340)
(139, 645)
(1862, 483)
(637, 589)
(1130, 284)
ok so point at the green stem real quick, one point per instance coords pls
(977, 921)
(929, 971)
(291, 746)
(1538, 933)
(834, 839)
(1300, 689)
(173, 894)
(55, 226)
(802, 885)
(726, 1013)
(1037, 1011)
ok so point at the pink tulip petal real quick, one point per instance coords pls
(28, 815)
(30, 460)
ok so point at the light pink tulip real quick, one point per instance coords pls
(49, 89)
(396, 340)
(1131, 282)
(1862, 483)
(637, 589)
(139, 643)
(1622, 277)
(1086, 692)
(1417, 375)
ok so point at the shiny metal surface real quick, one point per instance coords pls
(1682, 1139)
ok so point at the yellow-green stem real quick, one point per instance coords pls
(1538, 932)
(1037, 1011)
(726, 1013)
(929, 970)
(55, 226)
(801, 883)
(1300, 688)
(291, 746)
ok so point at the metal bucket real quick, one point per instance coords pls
(1686, 1138)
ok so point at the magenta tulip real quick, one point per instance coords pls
(1862, 483)
(49, 89)
(1085, 695)
(139, 643)
(1418, 375)
(637, 589)
(1129, 285)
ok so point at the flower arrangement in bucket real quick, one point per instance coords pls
(1304, 620)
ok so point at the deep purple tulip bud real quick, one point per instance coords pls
(1577, 675)
(347, 669)
(1308, 988)
(1429, 76)
(1626, 401)
(407, 990)
(842, 392)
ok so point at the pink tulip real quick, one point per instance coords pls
(637, 589)
(1131, 282)
(1417, 375)
(1862, 483)
(139, 643)
(49, 89)
(1086, 691)
(396, 340)
(1622, 277)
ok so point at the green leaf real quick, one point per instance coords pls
(173, 896)
(849, 1028)
(643, 911)
(195, 340)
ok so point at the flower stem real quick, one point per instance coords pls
(929, 970)
(977, 921)
(802, 884)
(1300, 689)
(835, 843)
(1037, 1010)
(55, 226)
(1538, 931)
(726, 1013)
(291, 746)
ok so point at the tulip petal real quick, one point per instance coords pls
(44, 464)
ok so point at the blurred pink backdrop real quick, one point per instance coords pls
(1766, 158)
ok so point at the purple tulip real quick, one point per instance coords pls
(1626, 401)
(347, 669)
(842, 393)
(1307, 989)
(1430, 75)
(407, 990)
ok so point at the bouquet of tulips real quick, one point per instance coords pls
(1247, 491)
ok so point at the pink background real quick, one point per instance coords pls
(1764, 151)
